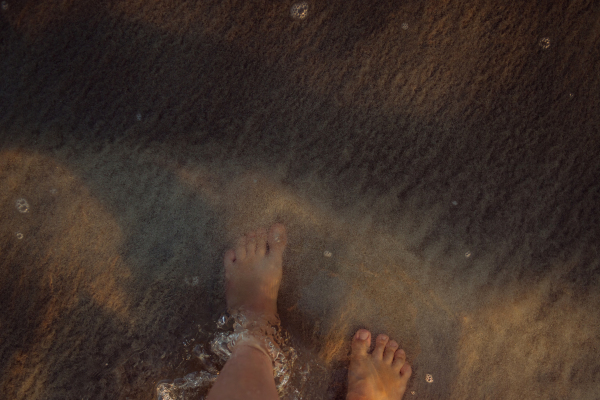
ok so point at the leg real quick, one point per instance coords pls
(253, 275)
(380, 375)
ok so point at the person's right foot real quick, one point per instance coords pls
(382, 375)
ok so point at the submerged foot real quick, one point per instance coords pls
(253, 271)
(381, 375)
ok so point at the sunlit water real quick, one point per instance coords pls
(290, 378)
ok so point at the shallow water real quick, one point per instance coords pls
(436, 165)
(230, 329)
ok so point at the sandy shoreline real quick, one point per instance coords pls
(450, 169)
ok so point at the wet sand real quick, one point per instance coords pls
(450, 169)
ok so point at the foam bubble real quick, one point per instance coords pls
(545, 43)
(299, 10)
(231, 329)
(22, 205)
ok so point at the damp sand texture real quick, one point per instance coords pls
(435, 164)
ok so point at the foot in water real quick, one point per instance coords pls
(253, 272)
(253, 275)
(382, 375)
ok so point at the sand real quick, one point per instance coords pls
(448, 165)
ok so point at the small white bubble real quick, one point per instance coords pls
(299, 10)
(22, 205)
(4, 5)
(53, 191)
(405, 26)
(429, 378)
(19, 235)
(138, 116)
(327, 253)
(455, 203)
(468, 254)
(545, 43)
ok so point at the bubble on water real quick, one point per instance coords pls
(468, 254)
(299, 10)
(22, 205)
(327, 253)
(571, 95)
(545, 43)
(405, 26)
(4, 5)
(455, 203)
(429, 378)
(53, 191)
(19, 235)
(138, 116)
(222, 321)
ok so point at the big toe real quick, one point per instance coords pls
(277, 240)
(361, 342)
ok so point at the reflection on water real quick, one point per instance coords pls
(213, 354)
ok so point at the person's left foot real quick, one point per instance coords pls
(382, 375)
(253, 271)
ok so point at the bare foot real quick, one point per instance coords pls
(380, 375)
(253, 271)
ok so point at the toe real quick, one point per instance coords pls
(251, 243)
(390, 349)
(261, 242)
(405, 373)
(240, 248)
(361, 342)
(399, 359)
(277, 240)
(380, 346)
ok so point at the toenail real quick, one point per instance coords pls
(277, 238)
(383, 338)
(363, 335)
